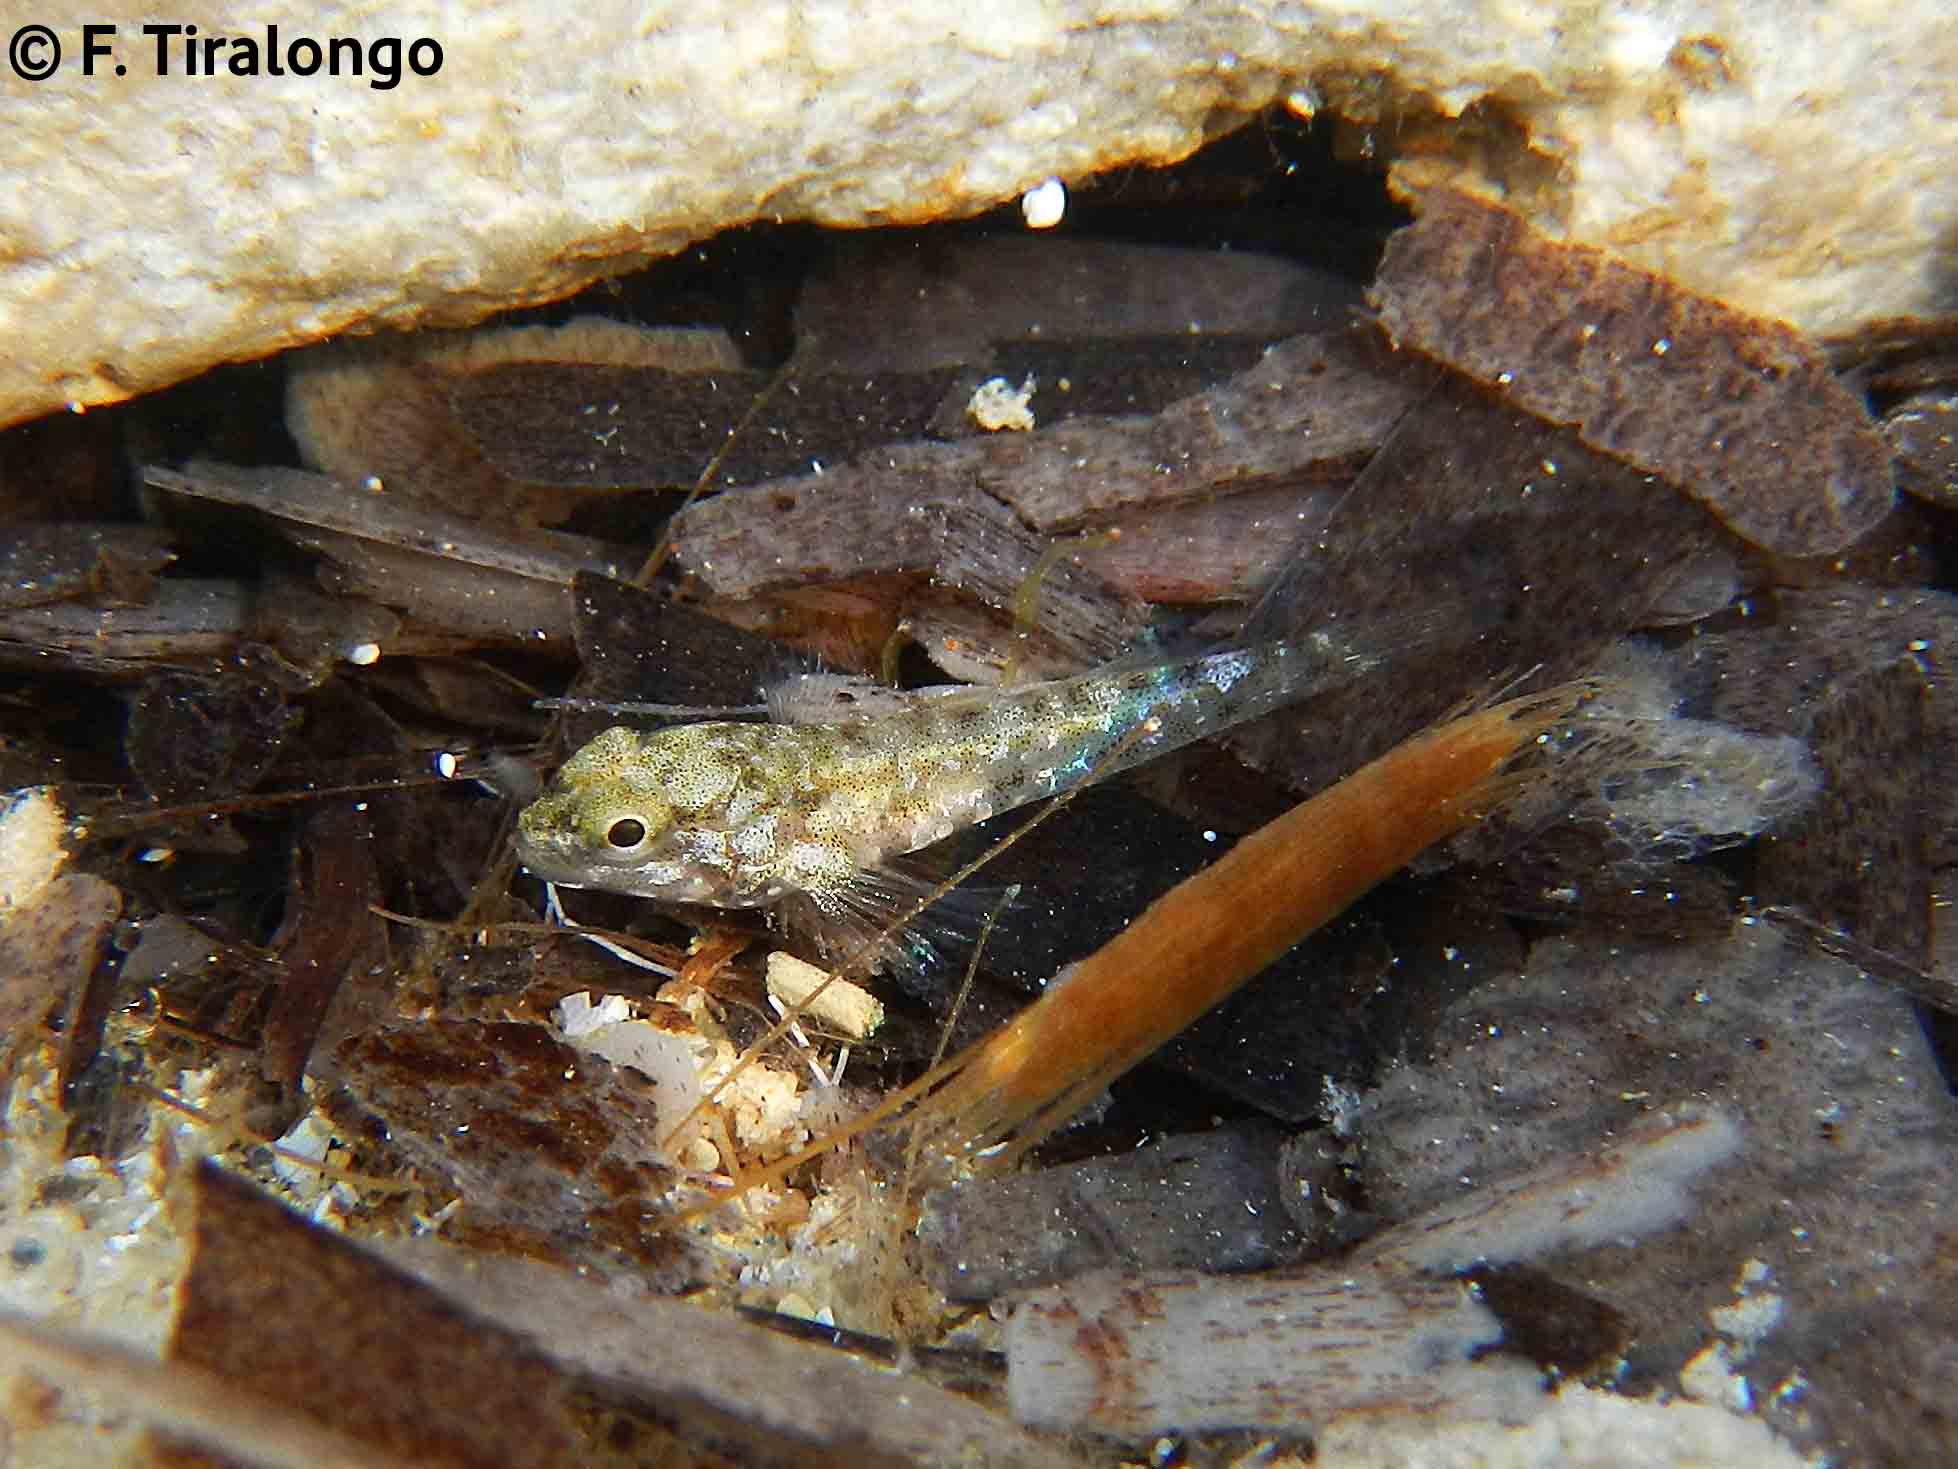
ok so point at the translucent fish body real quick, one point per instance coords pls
(744, 815)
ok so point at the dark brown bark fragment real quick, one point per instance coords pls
(1739, 411)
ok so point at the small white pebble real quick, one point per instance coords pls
(701, 1156)
(1044, 204)
(361, 655)
(446, 765)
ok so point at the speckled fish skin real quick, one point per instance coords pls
(744, 815)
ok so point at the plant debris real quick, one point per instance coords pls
(431, 1383)
(1313, 406)
(1742, 413)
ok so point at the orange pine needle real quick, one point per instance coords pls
(1198, 942)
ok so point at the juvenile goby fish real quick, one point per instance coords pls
(743, 815)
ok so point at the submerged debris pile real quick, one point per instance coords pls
(1543, 1023)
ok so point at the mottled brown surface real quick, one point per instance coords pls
(598, 427)
(291, 1313)
(1923, 429)
(936, 301)
(551, 1149)
(1741, 411)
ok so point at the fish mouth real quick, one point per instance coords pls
(544, 850)
(541, 861)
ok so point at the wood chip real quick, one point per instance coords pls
(555, 1151)
(382, 407)
(1315, 408)
(1308, 414)
(189, 621)
(53, 562)
(932, 304)
(1141, 1355)
(290, 1313)
(458, 575)
(837, 1003)
(1740, 411)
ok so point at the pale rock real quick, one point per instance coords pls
(159, 225)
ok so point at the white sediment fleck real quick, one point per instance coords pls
(841, 1005)
(997, 405)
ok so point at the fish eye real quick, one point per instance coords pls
(626, 833)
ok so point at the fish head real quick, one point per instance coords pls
(644, 814)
